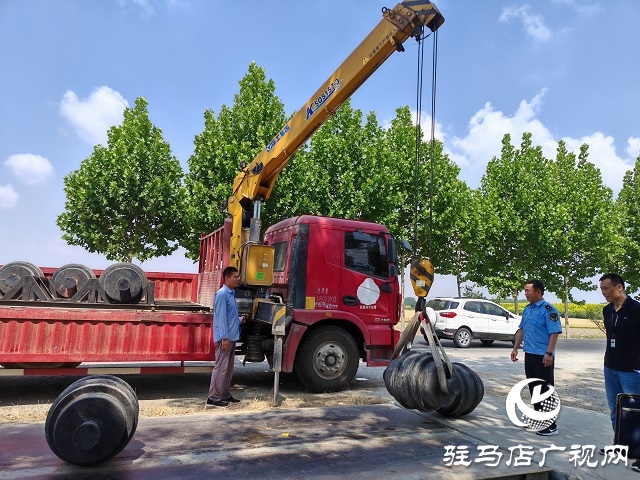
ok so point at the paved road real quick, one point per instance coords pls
(579, 378)
(375, 441)
(579, 375)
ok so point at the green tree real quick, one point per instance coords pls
(469, 291)
(430, 206)
(455, 221)
(409, 302)
(126, 200)
(580, 226)
(512, 219)
(627, 255)
(238, 134)
(343, 172)
(339, 174)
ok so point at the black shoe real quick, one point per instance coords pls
(636, 466)
(231, 399)
(217, 404)
(601, 451)
(547, 432)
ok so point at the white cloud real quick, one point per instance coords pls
(8, 196)
(93, 116)
(145, 6)
(533, 23)
(488, 126)
(633, 147)
(602, 153)
(31, 169)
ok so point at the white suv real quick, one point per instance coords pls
(463, 319)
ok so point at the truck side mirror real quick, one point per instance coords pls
(393, 271)
(404, 244)
(393, 252)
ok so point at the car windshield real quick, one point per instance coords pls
(440, 304)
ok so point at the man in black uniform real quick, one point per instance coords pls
(622, 354)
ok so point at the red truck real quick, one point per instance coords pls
(318, 293)
(337, 280)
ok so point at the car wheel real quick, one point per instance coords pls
(462, 338)
(486, 342)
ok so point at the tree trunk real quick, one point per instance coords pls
(566, 306)
(515, 302)
(458, 284)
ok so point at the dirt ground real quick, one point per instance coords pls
(28, 399)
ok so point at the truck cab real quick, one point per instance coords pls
(339, 281)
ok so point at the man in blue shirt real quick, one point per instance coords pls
(540, 327)
(226, 332)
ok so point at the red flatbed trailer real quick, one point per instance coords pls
(176, 328)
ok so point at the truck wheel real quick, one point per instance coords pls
(462, 338)
(327, 359)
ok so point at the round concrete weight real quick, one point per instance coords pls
(92, 420)
(12, 272)
(70, 278)
(123, 282)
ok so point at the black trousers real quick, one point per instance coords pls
(534, 368)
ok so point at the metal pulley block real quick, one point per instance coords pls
(124, 282)
(13, 273)
(92, 420)
(68, 279)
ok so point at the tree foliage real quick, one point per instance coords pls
(543, 219)
(627, 255)
(126, 199)
(579, 225)
(512, 217)
(409, 302)
(340, 173)
(237, 134)
(430, 206)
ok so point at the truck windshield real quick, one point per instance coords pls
(366, 256)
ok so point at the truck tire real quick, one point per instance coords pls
(327, 360)
(462, 338)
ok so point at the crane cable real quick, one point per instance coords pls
(420, 68)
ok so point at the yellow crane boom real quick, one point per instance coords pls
(254, 182)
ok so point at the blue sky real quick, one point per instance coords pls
(561, 69)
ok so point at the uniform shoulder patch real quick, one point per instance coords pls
(553, 314)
